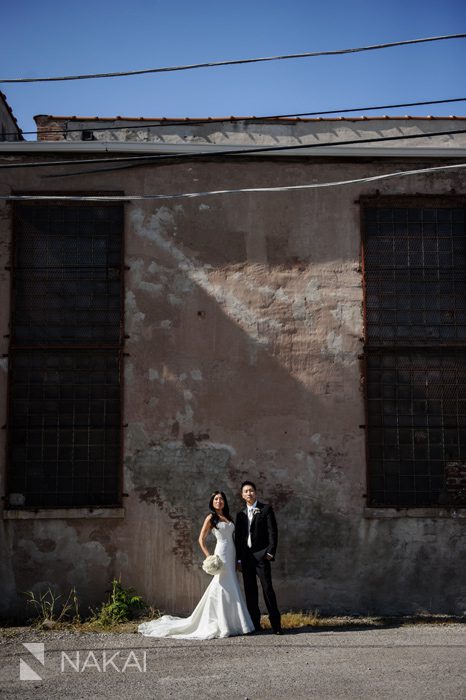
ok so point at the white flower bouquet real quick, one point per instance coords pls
(212, 565)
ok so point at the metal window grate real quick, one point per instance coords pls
(64, 427)
(67, 275)
(416, 405)
(415, 263)
(415, 312)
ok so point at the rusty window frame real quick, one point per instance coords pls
(65, 390)
(415, 349)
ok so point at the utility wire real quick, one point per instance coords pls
(214, 64)
(209, 193)
(141, 160)
(188, 122)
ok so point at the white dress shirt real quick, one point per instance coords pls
(250, 516)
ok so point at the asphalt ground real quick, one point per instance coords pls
(425, 661)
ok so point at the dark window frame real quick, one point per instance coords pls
(117, 347)
(441, 346)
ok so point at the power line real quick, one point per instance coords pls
(194, 122)
(141, 160)
(215, 64)
(209, 193)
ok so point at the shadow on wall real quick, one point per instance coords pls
(243, 369)
(244, 315)
(228, 376)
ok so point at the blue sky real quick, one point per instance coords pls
(57, 38)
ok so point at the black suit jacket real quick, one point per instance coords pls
(264, 533)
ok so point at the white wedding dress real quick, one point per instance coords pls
(222, 610)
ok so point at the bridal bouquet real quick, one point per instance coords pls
(212, 565)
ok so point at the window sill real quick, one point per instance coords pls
(382, 513)
(62, 513)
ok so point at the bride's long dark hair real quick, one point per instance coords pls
(214, 519)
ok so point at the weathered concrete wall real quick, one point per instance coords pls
(254, 132)
(244, 316)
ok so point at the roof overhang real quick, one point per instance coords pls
(333, 151)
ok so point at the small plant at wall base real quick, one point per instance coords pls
(49, 613)
(121, 606)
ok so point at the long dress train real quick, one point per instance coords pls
(221, 612)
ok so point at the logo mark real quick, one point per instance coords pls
(26, 673)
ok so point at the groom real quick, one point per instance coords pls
(256, 541)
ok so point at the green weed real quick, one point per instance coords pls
(121, 606)
(49, 612)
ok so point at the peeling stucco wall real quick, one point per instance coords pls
(244, 316)
(251, 131)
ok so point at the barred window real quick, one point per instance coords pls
(415, 353)
(64, 418)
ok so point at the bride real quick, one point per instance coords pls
(222, 611)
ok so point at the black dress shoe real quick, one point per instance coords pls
(278, 631)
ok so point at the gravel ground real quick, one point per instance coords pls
(417, 661)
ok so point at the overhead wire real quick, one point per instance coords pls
(245, 190)
(215, 64)
(164, 123)
(143, 159)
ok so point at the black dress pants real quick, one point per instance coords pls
(253, 569)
